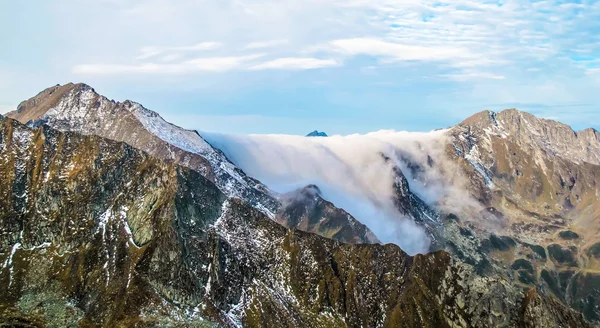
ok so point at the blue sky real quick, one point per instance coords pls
(292, 66)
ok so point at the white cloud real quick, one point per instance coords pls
(294, 63)
(474, 76)
(352, 173)
(591, 71)
(221, 64)
(399, 51)
(148, 52)
(462, 35)
(266, 44)
(214, 64)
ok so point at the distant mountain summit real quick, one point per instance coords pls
(316, 133)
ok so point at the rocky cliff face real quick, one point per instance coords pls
(96, 232)
(540, 180)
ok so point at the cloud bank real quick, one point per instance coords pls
(352, 173)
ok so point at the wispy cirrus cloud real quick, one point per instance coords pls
(296, 63)
(153, 51)
(266, 44)
(211, 64)
(473, 38)
(467, 76)
(396, 51)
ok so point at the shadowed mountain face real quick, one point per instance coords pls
(96, 232)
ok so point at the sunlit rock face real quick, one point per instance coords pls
(539, 182)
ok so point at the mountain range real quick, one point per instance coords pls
(112, 216)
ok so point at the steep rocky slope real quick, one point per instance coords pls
(78, 108)
(541, 181)
(95, 232)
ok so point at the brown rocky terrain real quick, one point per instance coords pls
(541, 181)
(98, 233)
(111, 216)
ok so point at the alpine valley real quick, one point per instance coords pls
(110, 216)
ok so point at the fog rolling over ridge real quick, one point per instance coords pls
(352, 173)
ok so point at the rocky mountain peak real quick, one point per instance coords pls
(78, 108)
(312, 190)
(37, 106)
(539, 134)
(483, 118)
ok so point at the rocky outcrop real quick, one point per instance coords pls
(305, 209)
(95, 232)
(409, 205)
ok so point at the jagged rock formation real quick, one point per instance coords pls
(306, 209)
(316, 133)
(541, 181)
(96, 232)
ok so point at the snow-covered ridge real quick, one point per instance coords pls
(192, 142)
